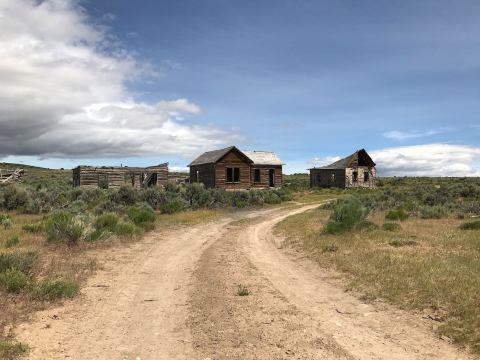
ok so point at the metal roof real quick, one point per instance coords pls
(263, 157)
(256, 157)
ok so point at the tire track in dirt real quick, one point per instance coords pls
(262, 325)
(365, 331)
(133, 309)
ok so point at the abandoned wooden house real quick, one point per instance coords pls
(231, 168)
(356, 170)
(116, 176)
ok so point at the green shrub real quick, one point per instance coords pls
(14, 197)
(176, 205)
(6, 221)
(197, 196)
(127, 229)
(366, 225)
(272, 198)
(474, 225)
(12, 241)
(347, 215)
(402, 242)
(141, 215)
(97, 234)
(63, 226)
(107, 222)
(126, 195)
(33, 228)
(55, 289)
(11, 350)
(239, 199)
(391, 227)
(154, 196)
(13, 280)
(20, 260)
(284, 194)
(432, 212)
(399, 214)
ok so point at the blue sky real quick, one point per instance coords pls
(311, 80)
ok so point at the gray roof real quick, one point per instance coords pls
(347, 161)
(211, 157)
(263, 157)
(256, 157)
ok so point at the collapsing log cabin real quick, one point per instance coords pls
(114, 177)
(7, 176)
(356, 170)
(231, 168)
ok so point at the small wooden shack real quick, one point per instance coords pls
(354, 171)
(231, 168)
(116, 176)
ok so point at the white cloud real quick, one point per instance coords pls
(428, 160)
(403, 135)
(322, 161)
(64, 91)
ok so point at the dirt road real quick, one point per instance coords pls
(174, 296)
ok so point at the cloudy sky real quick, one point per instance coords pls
(138, 83)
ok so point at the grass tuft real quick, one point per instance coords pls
(402, 242)
(55, 289)
(12, 241)
(242, 290)
(10, 350)
(13, 280)
(20, 260)
(474, 225)
(329, 248)
(391, 226)
(398, 214)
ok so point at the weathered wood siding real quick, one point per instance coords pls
(343, 178)
(206, 174)
(361, 170)
(89, 176)
(327, 178)
(265, 177)
(233, 160)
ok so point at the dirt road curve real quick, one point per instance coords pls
(174, 296)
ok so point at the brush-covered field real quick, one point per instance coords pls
(49, 230)
(413, 242)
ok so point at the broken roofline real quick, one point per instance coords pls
(346, 161)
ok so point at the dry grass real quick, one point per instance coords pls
(58, 261)
(436, 269)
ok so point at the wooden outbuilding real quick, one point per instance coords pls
(354, 171)
(231, 168)
(116, 176)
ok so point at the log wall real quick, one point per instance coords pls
(114, 177)
(265, 177)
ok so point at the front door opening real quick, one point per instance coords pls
(271, 177)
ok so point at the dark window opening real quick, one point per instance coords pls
(256, 175)
(355, 176)
(366, 176)
(271, 177)
(233, 175)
